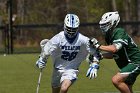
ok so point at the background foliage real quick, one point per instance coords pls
(46, 12)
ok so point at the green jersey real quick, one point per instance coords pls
(129, 52)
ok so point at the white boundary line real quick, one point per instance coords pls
(119, 92)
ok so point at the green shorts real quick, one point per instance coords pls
(134, 71)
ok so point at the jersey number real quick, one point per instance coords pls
(68, 56)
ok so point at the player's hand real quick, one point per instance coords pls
(98, 55)
(92, 71)
(94, 42)
(41, 63)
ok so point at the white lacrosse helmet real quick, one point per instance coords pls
(109, 20)
(71, 25)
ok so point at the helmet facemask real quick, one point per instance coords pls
(105, 27)
(71, 32)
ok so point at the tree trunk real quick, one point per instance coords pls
(138, 15)
(114, 5)
(20, 13)
(127, 15)
(127, 9)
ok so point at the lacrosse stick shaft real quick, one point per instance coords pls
(39, 79)
(42, 44)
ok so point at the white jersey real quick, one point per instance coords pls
(67, 55)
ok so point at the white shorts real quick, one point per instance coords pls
(59, 76)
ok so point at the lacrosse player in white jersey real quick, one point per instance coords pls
(68, 49)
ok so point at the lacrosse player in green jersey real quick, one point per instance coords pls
(122, 48)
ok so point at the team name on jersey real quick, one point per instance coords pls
(70, 47)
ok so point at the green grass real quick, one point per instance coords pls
(18, 74)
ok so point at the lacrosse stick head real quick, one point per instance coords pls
(43, 42)
(42, 45)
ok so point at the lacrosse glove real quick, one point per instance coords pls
(92, 71)
(94, 57)
(41, 63)
(94, 42)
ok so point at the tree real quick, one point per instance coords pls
(138, 16)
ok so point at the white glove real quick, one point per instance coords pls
(92, 71)
(41, 63)
(94, 42)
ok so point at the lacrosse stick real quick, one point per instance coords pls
(42, 44)
(39, 79)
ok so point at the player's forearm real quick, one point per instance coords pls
(109, 48)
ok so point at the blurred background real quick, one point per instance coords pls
(24, 23)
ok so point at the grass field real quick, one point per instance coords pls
(18, 74)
